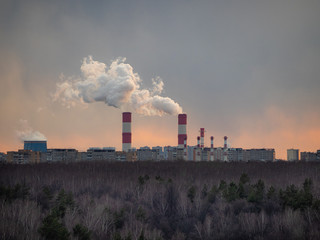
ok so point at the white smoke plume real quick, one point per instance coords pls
(117, 86)
(27, 133)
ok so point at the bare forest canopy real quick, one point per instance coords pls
(160, 200)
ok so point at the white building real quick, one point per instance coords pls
(293, 154)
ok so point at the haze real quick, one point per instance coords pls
(246, 69)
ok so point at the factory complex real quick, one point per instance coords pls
(37, 151)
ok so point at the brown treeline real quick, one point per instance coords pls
(160, 200)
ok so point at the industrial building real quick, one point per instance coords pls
(202, 153)
(36, 146)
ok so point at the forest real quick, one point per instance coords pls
(160, 200)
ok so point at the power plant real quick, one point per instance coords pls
(36, 151)
(36, 146)
(182, 151)
(192, 153)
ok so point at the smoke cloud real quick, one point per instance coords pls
(118, 86)
(28, 134)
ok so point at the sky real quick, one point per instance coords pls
(249, 70)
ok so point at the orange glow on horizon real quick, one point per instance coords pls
(274, 129)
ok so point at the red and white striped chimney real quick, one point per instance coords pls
(202, 137)
(126, 131)
(211, 150)
(225, 149)
(198, 139)
(182, 129)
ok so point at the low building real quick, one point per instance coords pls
(308, 156)
(107, 153)
(65, 155)
(263, 154)
(170, 153)
(159, 153)
(235, 154)
(179, 155)
(121, 156)
(23, 157)
(82, 156)
(131, 156)
(190, 151)
(147, 154)
(3, 157)
(144, 154)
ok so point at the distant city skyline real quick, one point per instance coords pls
(244, 69)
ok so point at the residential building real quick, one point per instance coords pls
(23, 157)
(62, 155)
(293, 154)
(235, 154)
(308, 156)
(263, 154)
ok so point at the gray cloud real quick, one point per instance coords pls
(225, 62)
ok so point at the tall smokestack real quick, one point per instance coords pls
(211, 149)
(126, 131)
(182, 129)
(225, 149)
(198, 139)
(202, 137)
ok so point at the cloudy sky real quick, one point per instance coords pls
(246, 69)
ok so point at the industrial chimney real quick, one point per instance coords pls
(182, 129)
(225, 149)
(126, 131)
(202, 137)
